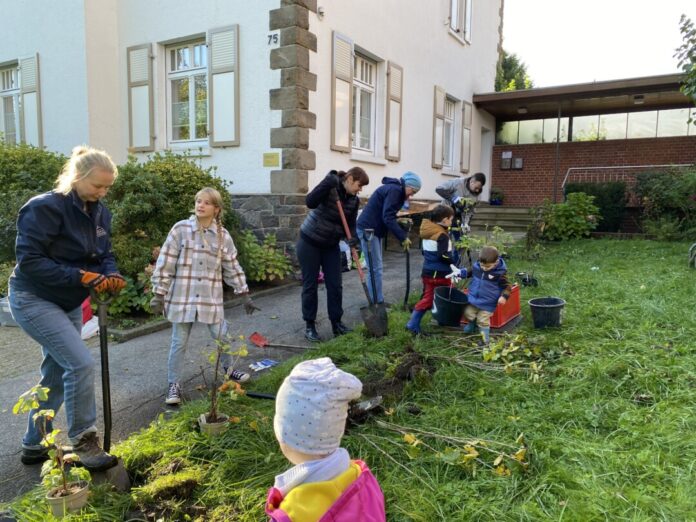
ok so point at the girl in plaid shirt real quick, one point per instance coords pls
(196, 257)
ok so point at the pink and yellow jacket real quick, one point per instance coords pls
(353, 496)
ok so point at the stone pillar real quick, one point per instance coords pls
(292, 58)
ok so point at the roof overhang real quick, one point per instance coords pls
(632, 94)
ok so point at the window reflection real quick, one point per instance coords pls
(642, 124)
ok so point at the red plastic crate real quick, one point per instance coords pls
(504, 313)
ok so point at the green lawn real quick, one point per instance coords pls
(603, 409)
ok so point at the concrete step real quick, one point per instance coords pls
(504, 224)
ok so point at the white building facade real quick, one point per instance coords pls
(274, 93)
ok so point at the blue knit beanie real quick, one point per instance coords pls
(411, 179)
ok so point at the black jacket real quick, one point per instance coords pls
(55, 240)
(323, 227)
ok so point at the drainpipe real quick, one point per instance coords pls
(558, 153)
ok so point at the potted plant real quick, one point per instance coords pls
(67, 485)
(497, 196)
(213, 422)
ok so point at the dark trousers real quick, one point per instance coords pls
(311, 259)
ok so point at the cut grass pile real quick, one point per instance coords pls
(592, 421)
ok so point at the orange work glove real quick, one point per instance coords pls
(116, 283)
(95, 281)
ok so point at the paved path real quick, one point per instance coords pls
(138, 367)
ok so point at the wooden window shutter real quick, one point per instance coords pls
(438, 127)
(465, 155)
(395, 83)
(342, 93)
(223, 86)
(30, 127)
(140, 99)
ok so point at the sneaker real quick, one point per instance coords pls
(173, 394)
(237, 375)
(34, 455)
(91, 454)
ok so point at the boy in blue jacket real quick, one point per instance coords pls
(489, 287)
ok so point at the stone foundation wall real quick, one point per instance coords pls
(279, 214)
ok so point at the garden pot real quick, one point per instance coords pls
(547, 311)
(71, 503)
(448, 305)
(213, 428)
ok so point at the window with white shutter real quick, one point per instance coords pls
(341, 93)
(140, 99)
(465, 155)
(364, 103)
(187, 93)
(30, 101)
(460, 19)
(438, 127)
(395, 79)
(223, 82)
(448, 135)
(9, 104)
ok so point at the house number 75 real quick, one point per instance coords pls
(272, 38)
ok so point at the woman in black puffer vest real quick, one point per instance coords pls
(318, 248)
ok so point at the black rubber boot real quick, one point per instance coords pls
(339, 328)
(311, 333)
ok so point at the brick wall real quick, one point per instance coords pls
(531, 185)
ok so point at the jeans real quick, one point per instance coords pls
(311, 258)
(375, 246)
(67, 368)
(177, 350)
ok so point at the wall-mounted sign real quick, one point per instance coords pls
(507, 154)
(271, 159)
(517, 163)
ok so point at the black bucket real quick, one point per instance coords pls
(546, 311)
(448, 306)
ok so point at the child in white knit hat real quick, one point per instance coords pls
(324, 484)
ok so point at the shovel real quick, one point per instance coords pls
(262, 342)
(406, 225)
(374, 315)
(102, 308)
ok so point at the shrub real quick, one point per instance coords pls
(610, 199)
(262, 261)
(575, 218)
(668, 195)
(25, 171)
(664, 229)
(5, 272)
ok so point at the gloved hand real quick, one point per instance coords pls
(353, 242)
(116, 283)
(457, 273)
(249, 306)
(406, 244)
(405, 223)
(466, 228)
(157, 304)
(459, 203)
(94, 281)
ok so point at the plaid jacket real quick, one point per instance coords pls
(188, 275)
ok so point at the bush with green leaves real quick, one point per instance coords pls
(25, 171)
(134, 297)
(610, 198)
(5, 272)
(668, 197)
(573, 219)
(262, 261)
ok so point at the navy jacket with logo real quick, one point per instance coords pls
(55, 240)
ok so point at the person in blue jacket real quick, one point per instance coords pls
(489, 287)
(63, 250)
(380, 215)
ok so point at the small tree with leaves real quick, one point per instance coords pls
(686, 54)
(223, 345)
(511, 73)
(58, 471)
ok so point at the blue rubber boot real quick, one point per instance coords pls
(486, 334)
(413, 324)
(470, 327)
